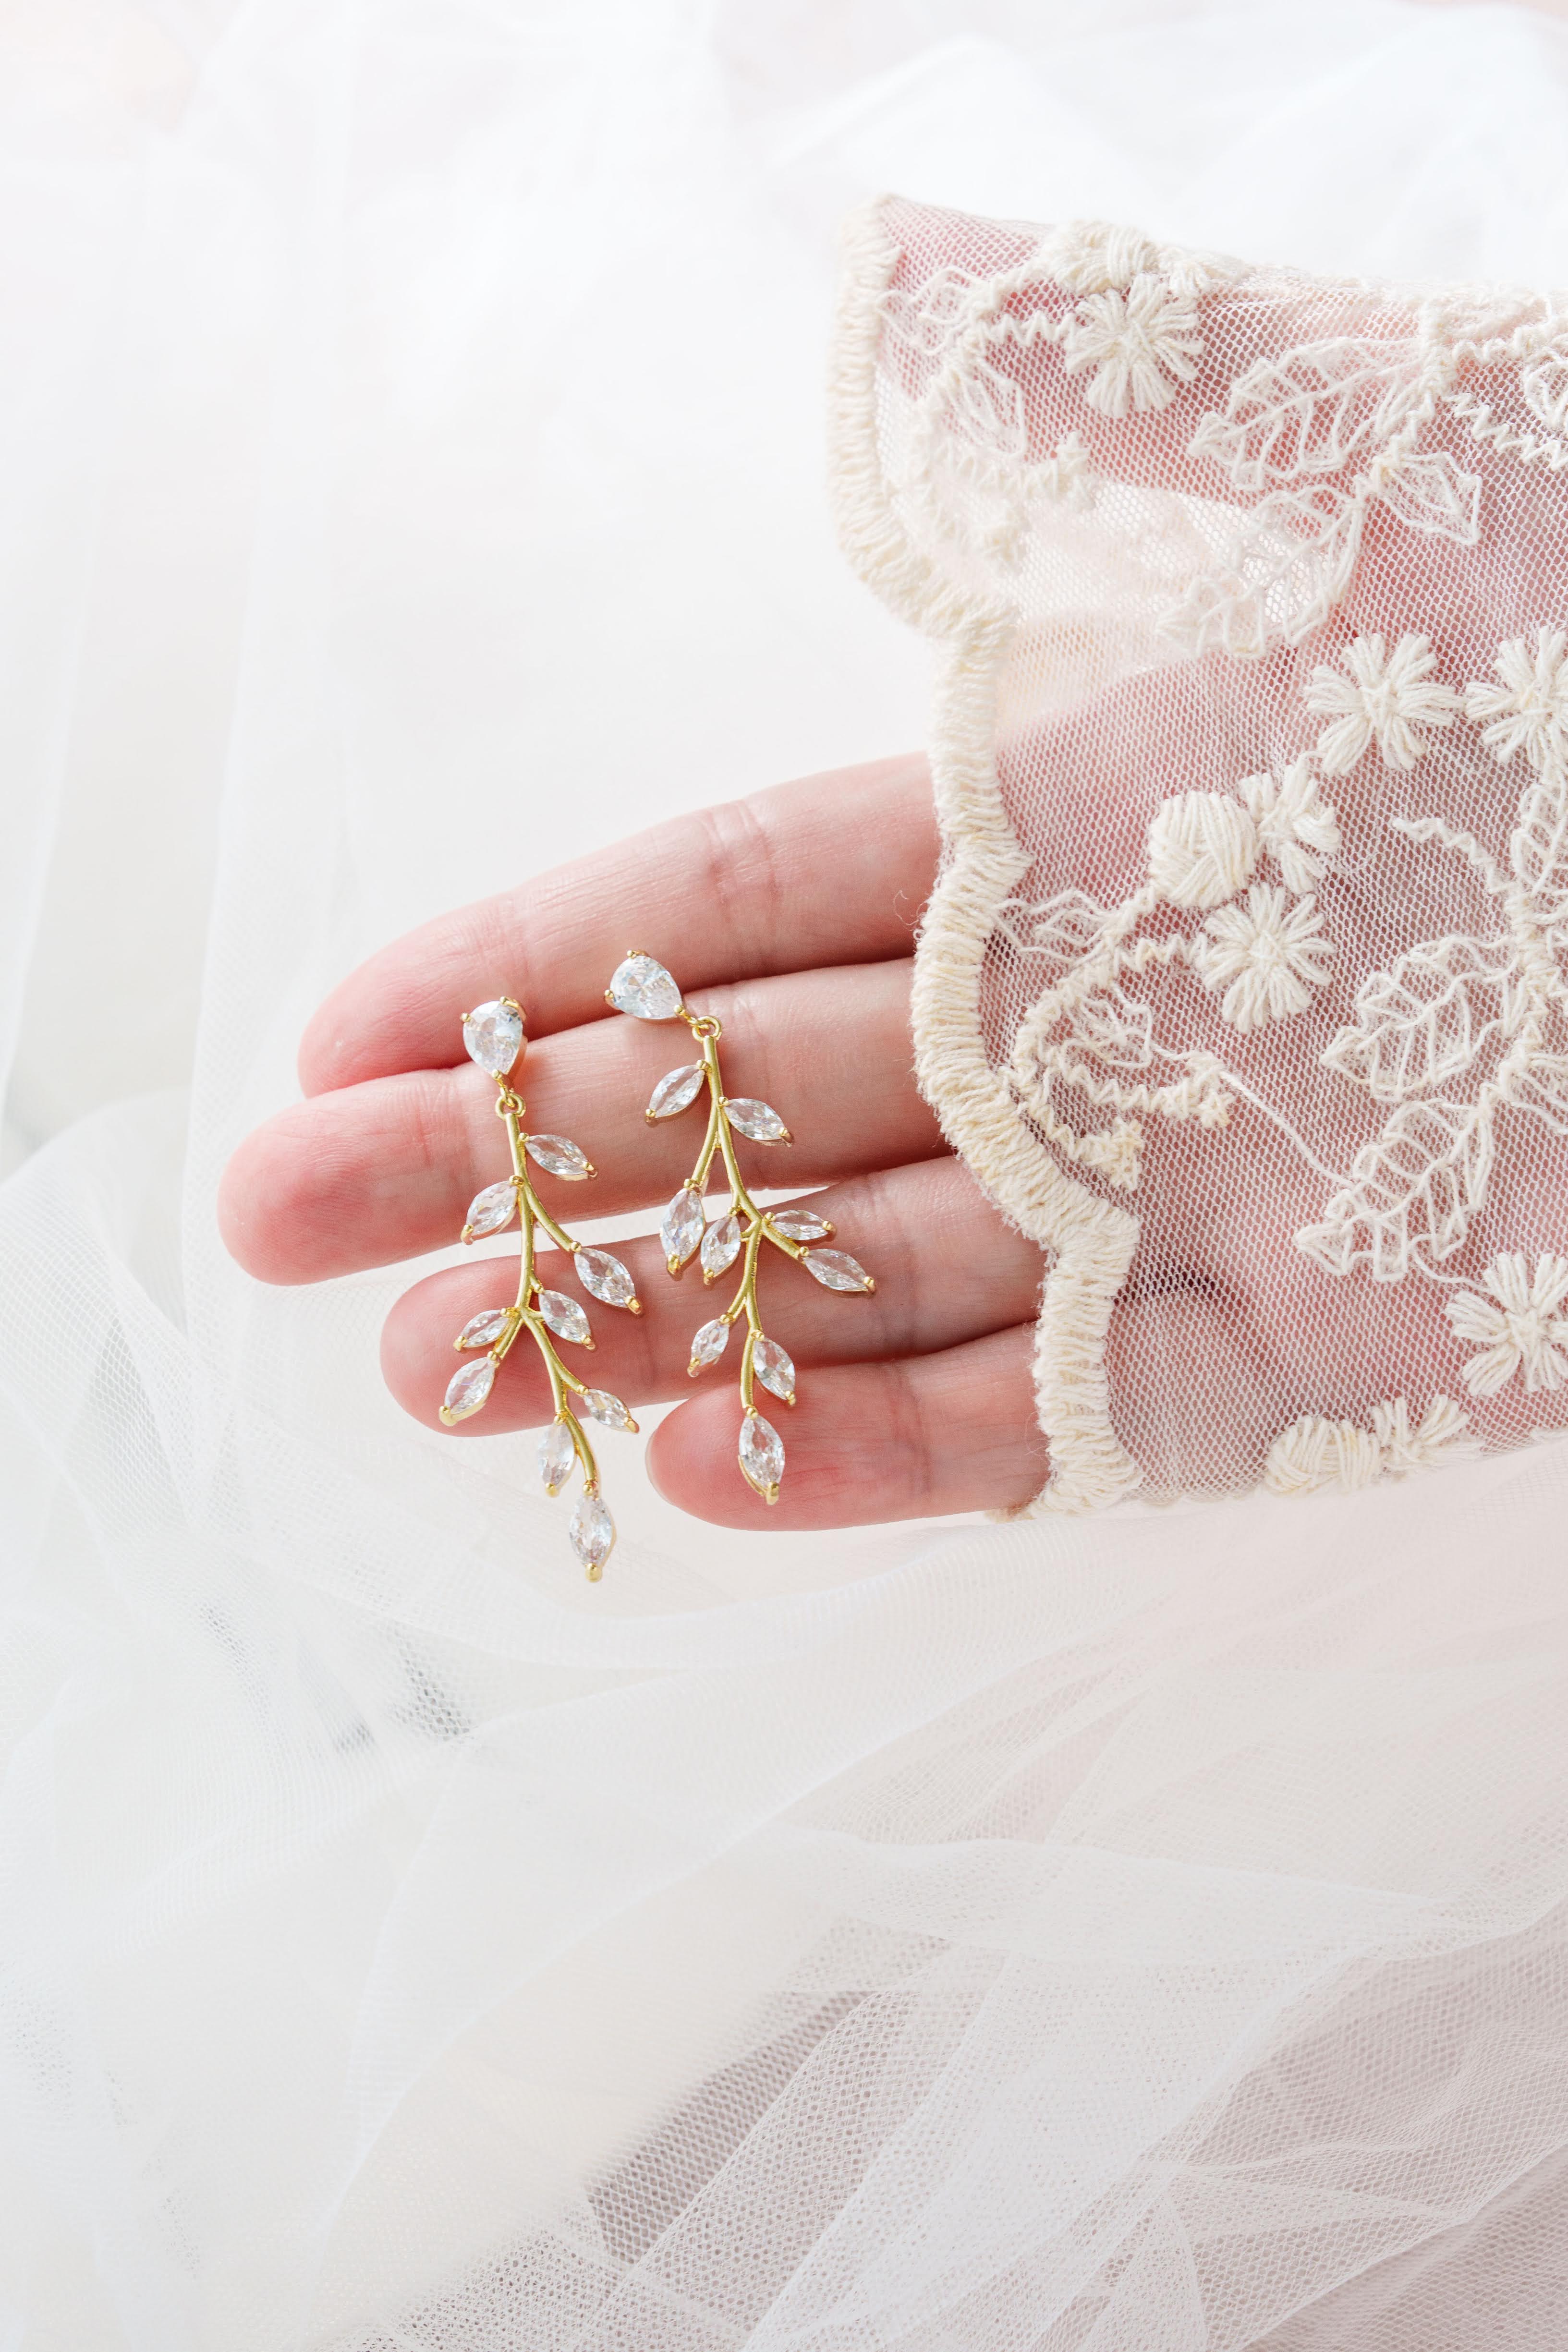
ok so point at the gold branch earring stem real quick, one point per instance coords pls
(642, 987)
(495, 1037)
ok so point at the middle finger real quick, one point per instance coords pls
(385, 1170)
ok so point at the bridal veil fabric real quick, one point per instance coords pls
(1142, 1931)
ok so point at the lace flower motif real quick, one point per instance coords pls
(1090, 256)
(1390, 697)
(1519, 1326)
(1296, 827)
(1269, 956)
(1140, 344)
(1202, 847)
(1527, 710)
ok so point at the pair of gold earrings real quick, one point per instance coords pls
(495, 1036)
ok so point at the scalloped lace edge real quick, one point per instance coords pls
(1091, 1240)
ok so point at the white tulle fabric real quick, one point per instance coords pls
(1143, 1930)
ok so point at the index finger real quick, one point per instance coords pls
(834, 869)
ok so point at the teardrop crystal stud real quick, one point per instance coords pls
(493, 1036)
(774, 1369)
(676, 1091)
(608, 1409)
(490, 1210)
(556, 1455)
(564, 1317)
(603, 1275)
(561, 1158)
(720, 1247)
(836, 1270)
(468, 1389)
(707, 1345)
(592, 1534)
(800, 1224)
(483, 1331)
(759, 1120)
(761, 1456)
(681, 1229)
(641, 986)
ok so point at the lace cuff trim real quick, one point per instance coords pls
(1194, 987)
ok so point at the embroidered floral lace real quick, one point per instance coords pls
(1243, 991)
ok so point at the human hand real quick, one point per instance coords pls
(791, 916)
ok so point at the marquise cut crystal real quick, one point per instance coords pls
(642, 987)
(675, 1091)
(556, 1455)
(467, 1388)
(493, 1036)
(762, 1455)
(490, 1210)
(757, 1120)
(836, 1270)
(592, 1533)
(603, 1406)
(708, 1343)
(561, 1158)
(681, 1228)
(721, 1246)
(774, 1369)
(601, 1274)
(483, 1331)
(564, 1317)
(799, 1224)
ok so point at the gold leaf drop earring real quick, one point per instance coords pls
(642, 987)
(495, 1036)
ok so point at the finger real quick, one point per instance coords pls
(946, 1267)
(386, 1169)
(832, 870)
(914, 1439)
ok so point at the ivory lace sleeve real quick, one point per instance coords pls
(1243, 988)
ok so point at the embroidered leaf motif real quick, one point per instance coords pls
(1425, 1020)
(1545, 390)
(1538, 847)
(1060, 931)
(1309, 412)
(1432, 494)
(1412, 1192)
(1542, 1091)
(1290, 561)
(1115, 1028)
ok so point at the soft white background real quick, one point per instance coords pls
(410, 458)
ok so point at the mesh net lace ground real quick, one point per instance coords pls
(1244, 988)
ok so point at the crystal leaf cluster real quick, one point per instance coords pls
(494, 1036)
(642, 987)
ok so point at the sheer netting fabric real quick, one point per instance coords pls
(1246, 990)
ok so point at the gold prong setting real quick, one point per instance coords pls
(495, 1037)
(642, 987)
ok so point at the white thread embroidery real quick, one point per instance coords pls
(1290, 422)
(1309, 442)
(1527, 710)
(1202, 847)
(1389, 699)
(1545, 389)
(1296, 827)
(1518, 1326)
(1269, 956)
(1097, 257)
(1315, 1455)
(1140, 344)
(1065, 477)
(1266, 957)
